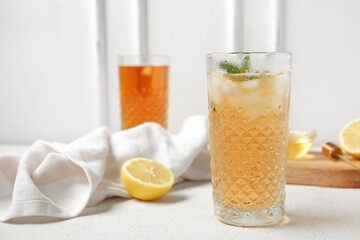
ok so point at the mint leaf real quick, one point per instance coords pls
(245, 65)
(233, 69)
(228, 67)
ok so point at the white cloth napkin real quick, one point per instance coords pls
(60, 180)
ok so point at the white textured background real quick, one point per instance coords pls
(185, 30)
(324, 37)
(49, 70)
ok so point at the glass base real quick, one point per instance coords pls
(263, 217)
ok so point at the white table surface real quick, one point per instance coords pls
(186, 213)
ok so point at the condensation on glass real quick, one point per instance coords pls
(248, 111)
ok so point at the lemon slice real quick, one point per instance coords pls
(349, 138)
(146, 179)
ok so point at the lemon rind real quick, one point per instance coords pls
(125, 164)
(341, 141)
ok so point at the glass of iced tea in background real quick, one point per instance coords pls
(143, 90)
(248, 112)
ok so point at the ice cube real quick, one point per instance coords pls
(274, 102)
(280, 84)
(227, 89)
(214, 80)
(254, 83)
(243, 101)
(214, 87)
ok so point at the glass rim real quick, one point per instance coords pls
(304, 134)
(302, 131)
(139, 60)
(143, 56)
(248, 53)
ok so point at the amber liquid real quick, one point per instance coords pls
(298, 150)
(248, 132)
(300, 143)
(144, 95)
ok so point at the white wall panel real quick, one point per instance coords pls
(185, 30)
(262, 26)
(49, 74)
(48, 69)
(122, 37)
(324, 36)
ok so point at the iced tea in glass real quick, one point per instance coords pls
(143, 90)
(248, 112)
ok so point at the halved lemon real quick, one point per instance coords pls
(146, 179)
(349, 138)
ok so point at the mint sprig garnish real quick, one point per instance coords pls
(229, 67)
(233, 69)
(245, 65)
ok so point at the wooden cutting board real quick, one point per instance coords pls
(317, 170)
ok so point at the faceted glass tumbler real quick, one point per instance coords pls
(248, 112)
(143, 90)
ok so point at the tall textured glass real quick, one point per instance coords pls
(143, 89)
(248, 111)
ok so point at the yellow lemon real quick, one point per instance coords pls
(349, 138)
(146, 179)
